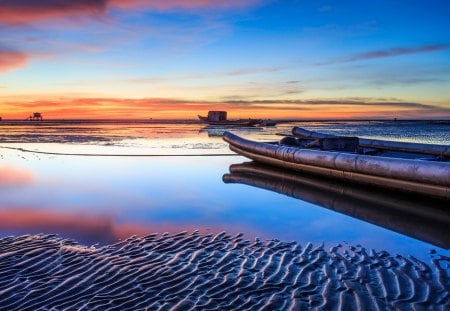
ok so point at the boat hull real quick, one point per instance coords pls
(240, 122)
(230, 123)
(423, 177)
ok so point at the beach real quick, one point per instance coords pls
(163, 216)
(192, 271)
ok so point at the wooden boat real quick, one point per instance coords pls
(420, 217)
(416, 168)
(219, 118)
(238, 122)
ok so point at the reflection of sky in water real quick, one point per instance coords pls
(102, 199)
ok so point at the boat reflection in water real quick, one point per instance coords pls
(419, 217)
(218, 130)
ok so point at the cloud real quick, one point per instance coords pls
(218, 74)
(55, 28)
(27, 11)
(252, 70)
(169, 5)
(406, 80)
(393, 52)
(332, 102)
(11, 59)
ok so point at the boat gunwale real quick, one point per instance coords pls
(430, 149)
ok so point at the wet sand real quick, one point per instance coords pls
(191, 271)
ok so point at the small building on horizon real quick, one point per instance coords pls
(217, 115)
(37, 116)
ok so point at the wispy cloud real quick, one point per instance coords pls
(11, 59)
(252, 70)
(332, 102)
(28, 11)
(169, 5)
(393, 52)
(209, 75)
(95, 26)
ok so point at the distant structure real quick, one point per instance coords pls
(220, 118)
(217, 115)
(37, 116)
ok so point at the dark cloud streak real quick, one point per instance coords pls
(26, 11)
(343, 102)
(393, 52)
(18, 12)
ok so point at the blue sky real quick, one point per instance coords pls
(274, 58)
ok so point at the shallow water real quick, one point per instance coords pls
(98, 199)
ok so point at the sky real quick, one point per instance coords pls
(290, 59)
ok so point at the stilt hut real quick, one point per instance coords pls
(37, 116)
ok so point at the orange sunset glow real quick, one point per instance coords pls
(110, 108)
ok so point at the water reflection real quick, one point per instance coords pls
(102, 199)
(85, 227)
(217, 131)
(422, 218)
(13, 177)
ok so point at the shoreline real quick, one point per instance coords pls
(195, 121)
(193, 270)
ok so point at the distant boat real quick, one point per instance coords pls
(220, 118)
(416, 168)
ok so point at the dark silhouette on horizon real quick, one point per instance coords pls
(37, 116)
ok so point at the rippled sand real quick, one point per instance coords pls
(213, 272)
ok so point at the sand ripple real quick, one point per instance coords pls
(191, 271)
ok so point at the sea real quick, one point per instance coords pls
(100, 182)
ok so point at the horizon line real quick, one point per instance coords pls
(193, 120)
